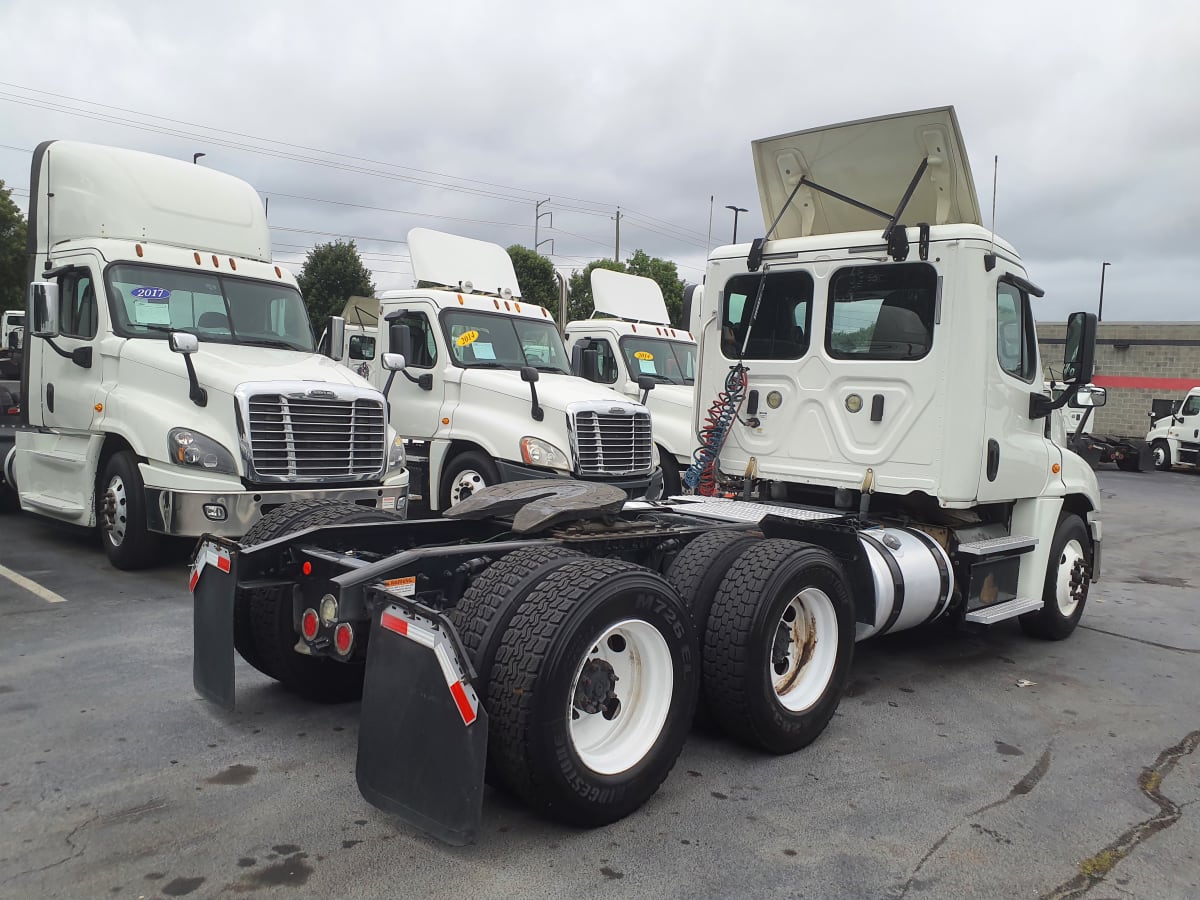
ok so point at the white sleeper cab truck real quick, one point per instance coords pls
(487, 395)
(1175, 439)
(629, 339)
(170, 382)
(878, 459)
(12, 329)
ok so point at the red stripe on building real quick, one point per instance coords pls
(394, 623)
(464, 704)
(1169, 385)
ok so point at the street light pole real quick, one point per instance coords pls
(1100, 309)
(196, 156)
(736, 210)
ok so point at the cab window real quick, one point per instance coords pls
(780, 327)
(362, 346)
(604, 369)
(1191, 406)
(1016, 347)
(881, 312)
(424, 346)
(77, 304)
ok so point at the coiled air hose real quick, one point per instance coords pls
(701, 475)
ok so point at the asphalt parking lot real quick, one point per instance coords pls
(987, 766)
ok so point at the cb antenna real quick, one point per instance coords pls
(995, 172)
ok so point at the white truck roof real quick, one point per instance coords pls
(873, 161)
(93, 191)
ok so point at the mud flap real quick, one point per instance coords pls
(422, 739)
(213, 582)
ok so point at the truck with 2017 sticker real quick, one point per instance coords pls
(555, 638)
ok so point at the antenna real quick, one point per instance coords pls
(995, 174)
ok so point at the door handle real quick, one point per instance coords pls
(50, 397)
(993, 459)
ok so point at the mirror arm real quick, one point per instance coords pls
(536, 411)
(65, 354)
(196, 394)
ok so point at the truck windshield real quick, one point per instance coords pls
(481, 340)
(668, 361)
(17, 321)
(148, 301)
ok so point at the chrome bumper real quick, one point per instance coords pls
(191, 513)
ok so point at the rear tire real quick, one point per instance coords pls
(1068, 577)
(593, 691)
(1162, 455)
(265, 632)
(1130, 463)
(121, 515)
(778, 645)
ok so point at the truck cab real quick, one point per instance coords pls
(630, 338)
(170, 384)
(487, 394)
(1175, 438)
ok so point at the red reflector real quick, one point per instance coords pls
(306, 568)
(343, 639)
(464, 705)
(309, 623)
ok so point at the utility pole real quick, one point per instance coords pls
(537, 218)
(617, 251)
(1100, 310)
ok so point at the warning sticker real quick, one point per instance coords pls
(467, 337)
(401, 587)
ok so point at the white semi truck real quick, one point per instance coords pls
(877, 459)
(170, 384)
(1175, 439)
(487, 395)
(630, 338)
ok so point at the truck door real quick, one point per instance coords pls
(1016, 454)
(70, 380)
(416, 412)
(1188, 430)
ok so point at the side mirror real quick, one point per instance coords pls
(183, 342)
(692, 295)
(645, 384)
(577, 359)
(1079, 357)
(1088, 397)
(400, 339)
(337, 337)
(529, 374)
(43, 302)
(393, 362)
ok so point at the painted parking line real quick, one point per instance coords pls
(32, 586)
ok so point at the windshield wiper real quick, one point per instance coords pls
(486, 365)
(268, 342)
(554, 369)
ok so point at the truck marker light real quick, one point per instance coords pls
(634, 327)
(461, 301)
(545, 315)
(232, 264)
(278, 273)
(306, 568)
(309, 624)
(518, 306)
(343, 639)
(99, 407)
(445, 421)
(1056, 468)
(138, 249)
(197, 255)
(496, 302)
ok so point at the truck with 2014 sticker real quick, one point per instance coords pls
(874, 457)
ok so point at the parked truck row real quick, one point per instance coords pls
(555, 638)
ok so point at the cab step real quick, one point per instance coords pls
(1008, 545)
(1009, 609)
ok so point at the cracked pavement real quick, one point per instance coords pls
(940, 776)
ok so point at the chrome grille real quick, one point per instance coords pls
(612, 444)
(316, 439)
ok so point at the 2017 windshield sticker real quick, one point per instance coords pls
(467, 337)
(153, 294)
(644, 354)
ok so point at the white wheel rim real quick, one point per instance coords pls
(1160, 456)
(1071, 578)
(803, 650)
(466, 483)
(115, 513)
(618, 737)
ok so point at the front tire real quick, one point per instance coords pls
(1068, 576)
(467, 473)
(121, 515)
(778, 645)
(672, 485)
(1162, 455)
(593, 691)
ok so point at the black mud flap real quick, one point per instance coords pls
(213, 581)
(422, 739)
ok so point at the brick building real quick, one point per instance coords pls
(1137, 362)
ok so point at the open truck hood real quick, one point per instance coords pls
(872, 161)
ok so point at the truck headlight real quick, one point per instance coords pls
(186, 447)
(396, 455)
(537, 452)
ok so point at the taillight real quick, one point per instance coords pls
(309, 624)
(343, 639)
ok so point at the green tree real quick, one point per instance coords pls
(579, 288)
(664, 272)
(12, 252)
(332, 274)
(535, 275)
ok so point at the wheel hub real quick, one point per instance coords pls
(596, 690)
(112, 511)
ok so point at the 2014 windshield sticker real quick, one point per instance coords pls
(153, 294)
(467, 337)
(644, 354)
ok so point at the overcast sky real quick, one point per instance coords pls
(365, 118)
